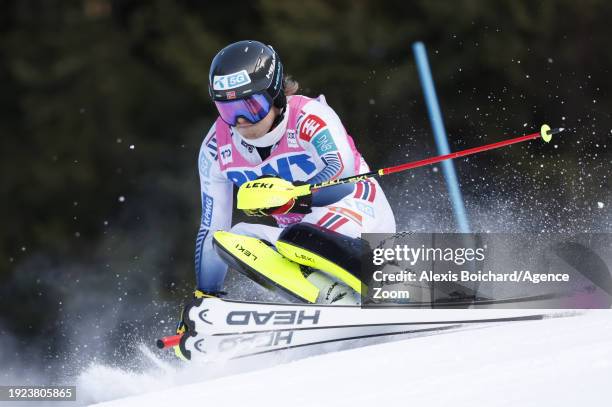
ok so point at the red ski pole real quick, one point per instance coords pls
(545, 132)
(168, 341)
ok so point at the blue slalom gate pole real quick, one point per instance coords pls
(437, 124)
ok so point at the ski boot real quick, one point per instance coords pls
(331, 291)
(182, 326)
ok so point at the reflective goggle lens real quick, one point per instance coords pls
(253, 108)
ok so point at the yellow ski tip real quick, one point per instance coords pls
(545, 133)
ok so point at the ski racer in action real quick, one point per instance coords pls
(268, 133)
(291, 159)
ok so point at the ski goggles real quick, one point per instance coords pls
(253, 108)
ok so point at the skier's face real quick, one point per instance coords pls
(252, 131)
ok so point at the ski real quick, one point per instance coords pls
(229, 328)
(216, 316)
(239, 345)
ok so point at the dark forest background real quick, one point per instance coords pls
(103, 106)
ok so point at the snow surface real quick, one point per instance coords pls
(561, 362)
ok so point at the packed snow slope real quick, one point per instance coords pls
(560, 362)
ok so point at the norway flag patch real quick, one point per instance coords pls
(311, 126)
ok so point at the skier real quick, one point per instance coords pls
(265, 129)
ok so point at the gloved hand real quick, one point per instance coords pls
(301, 204)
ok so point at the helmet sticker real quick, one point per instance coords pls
(231, 81)
(272, 65)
